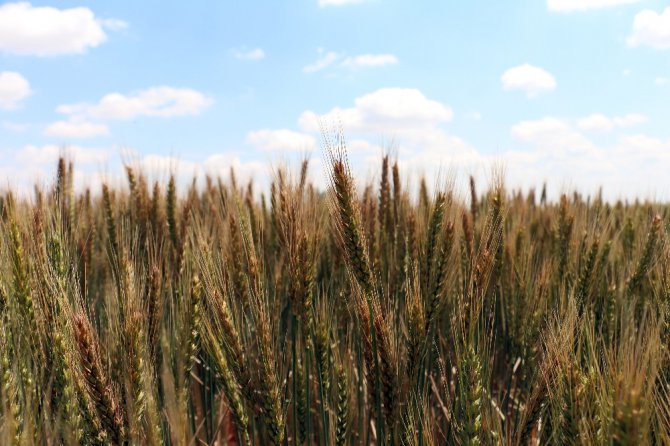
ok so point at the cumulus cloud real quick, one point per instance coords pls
(328, 59)
(325, 60)
(161, 166)
(324, 3)
(17, 127)
(221, 163)
(49, 31)
(402, 120)
(76, 128)
(253, 54)
(629, 120)
(583, 5)
(281, 140)
(662, 81)
(160, 101)
(595, 121)
(13, 89)
(630, 167)
(114, 24)
(652, 29)
(600, 122)
(528, 78)
(551, 132)
(370, 60)
(548, 149)
(384, 110)
(23, 168)
(185, 167)
(49, 154)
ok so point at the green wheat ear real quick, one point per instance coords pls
(470, 394)
(648, 252)
(342, 407)
(110, 219)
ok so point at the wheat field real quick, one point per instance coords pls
(386, 313)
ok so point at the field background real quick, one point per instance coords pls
(363, 314)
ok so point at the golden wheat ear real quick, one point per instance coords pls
(97, 384)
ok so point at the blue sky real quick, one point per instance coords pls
(572, 92)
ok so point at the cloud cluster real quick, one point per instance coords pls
(583, 5)
(281, 140)
(396, 109)
(245, 54)
(13, 89)
(47, 31)
(324, 3)
(325, 60)
(600, 122)
(632, 166)
(83, 119)
(551, 149)
(528, 78)
(48, 154)
(76, 128)
(23, 168)
(403, 120)
(652, 29)
(160, 101)
(369, 60)
(328, 59)
(17, 127)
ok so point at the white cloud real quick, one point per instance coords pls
(370, 60)
(281, 140)
(161, 101)
(537, 129)
(528, 78)
(583, 5)
(253, 54)
(630, 167)
(629, 120)
(553, 132)
(324, 3)
(157, 166)
(23, 168)
(49, 154)
(600, 122)
(221, 163)
(325, 59)
(160, 167)
(390, 110)
(48, 31)
(652, 29)
(328, 59)
(76, 128)
(411, 124)
(662, 81)
(595, 121)
(403, 104)
(17, 127)
(13, 89)
(114, 24)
